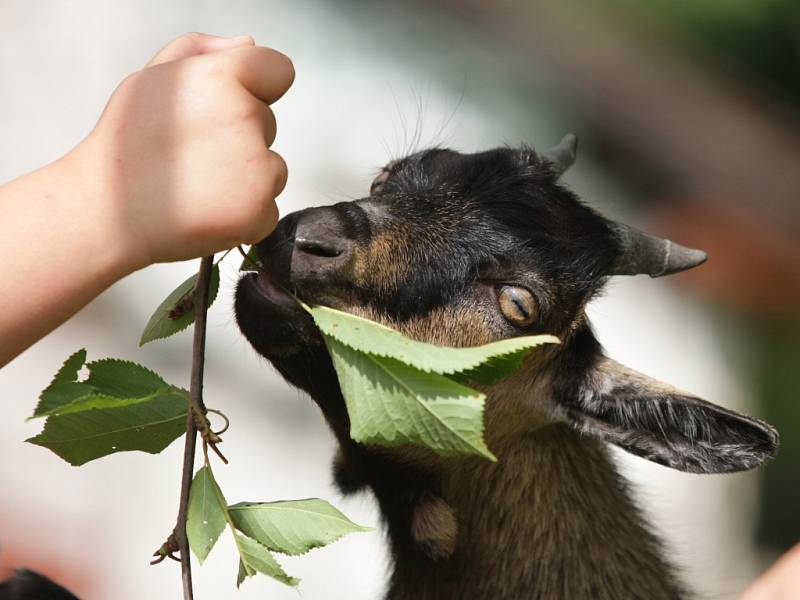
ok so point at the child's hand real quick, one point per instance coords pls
(178, 167)
(179, 164)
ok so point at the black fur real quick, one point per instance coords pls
(454, 226)
(27, 585)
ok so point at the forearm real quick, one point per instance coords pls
(59, 250)
(178, 166)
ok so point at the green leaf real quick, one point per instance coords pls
(367, 336)
(492, 371)
(252, 262)
(292, 526)
(111, 383)
(148, 425)
(64, 388)
(123, 379)
(206, 517)
(176, 312)
(255, 558)
(92, 401)
(393, 404)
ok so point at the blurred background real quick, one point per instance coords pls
(687, 115)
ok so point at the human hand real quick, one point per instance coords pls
(780, 582)
(179, 164)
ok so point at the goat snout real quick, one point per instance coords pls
(321, 243)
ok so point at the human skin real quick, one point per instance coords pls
(177, 167)
(780, 582)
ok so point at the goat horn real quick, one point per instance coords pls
(641, 253)
(562, 156)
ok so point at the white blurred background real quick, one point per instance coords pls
(367, 80)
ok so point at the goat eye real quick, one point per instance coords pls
(517, 304)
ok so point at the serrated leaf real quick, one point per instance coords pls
(292, 526)
(98, 401)
(205, 519)
(123, 379)
(367, 336)
(392, 404)
(111, 383)
(252, 262)
(255, 558)
(491, 371)
(64, 388)
(148, 426)
(176, 312)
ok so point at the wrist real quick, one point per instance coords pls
(97, 200)
(62, 246)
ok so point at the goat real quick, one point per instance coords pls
(465, 249)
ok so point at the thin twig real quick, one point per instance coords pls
(196, 406)
(256, 264)
(221, 414)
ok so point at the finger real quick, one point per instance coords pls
(268, 125)
(281, 173)
(267, 220)
(264, 72)
(191, 44)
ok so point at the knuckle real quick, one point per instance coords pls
(260, 182)
(280, 172)
(192, 40)
(262, 226)
(269, 125)
(280, 61)
(290, 68)
(250, 110)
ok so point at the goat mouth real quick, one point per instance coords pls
(270, 317)
(273, 291)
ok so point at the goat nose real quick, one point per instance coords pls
(320, 242)
(321, 248)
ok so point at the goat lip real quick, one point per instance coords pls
(274, 292)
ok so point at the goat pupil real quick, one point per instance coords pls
(516, 304)
(520, 306)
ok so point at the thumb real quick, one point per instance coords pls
(191, 44)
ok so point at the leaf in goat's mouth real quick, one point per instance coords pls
(401, 391)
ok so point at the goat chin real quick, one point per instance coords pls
(29, 585)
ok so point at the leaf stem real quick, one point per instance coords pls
(256, 264)
(196, 406)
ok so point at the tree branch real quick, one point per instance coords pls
(196, 407)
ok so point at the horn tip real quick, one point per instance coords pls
(682, 258)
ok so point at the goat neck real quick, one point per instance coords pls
(551, 519)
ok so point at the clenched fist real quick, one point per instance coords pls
(177, 167)
(180, 162)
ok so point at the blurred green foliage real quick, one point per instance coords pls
(758, 42)
(762, 36)
(779, 522)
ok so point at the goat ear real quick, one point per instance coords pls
(669, 427)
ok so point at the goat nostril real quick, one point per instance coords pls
(325, 249)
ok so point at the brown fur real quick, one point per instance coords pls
(434, 526)
(551, 519)
(427, 254)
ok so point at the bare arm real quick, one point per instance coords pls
(178, 167)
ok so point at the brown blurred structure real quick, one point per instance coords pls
(719, 157)
(707, 136)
